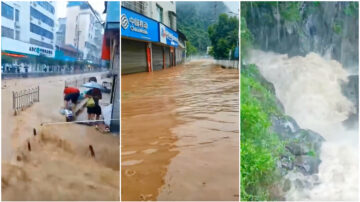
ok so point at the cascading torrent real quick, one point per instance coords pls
(310, 89)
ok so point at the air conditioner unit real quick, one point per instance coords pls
(39, 22)
(17, 25)
(31, 18)
(42, 38)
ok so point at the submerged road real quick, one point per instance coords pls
(59, 165)
(180, 133)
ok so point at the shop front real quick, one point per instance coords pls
(146, 45)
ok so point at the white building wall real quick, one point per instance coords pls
(167, 6)
(80, 20)
(24, 27)
(71, 17)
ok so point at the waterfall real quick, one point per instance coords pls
(310, 89)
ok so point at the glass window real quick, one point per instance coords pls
(41, 31)
(43, 18)
(47, 6)
(7, 11)
(17, 35)
(16, 15)
(160, 13)
(7, 32)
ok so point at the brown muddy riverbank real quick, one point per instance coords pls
(180, 134)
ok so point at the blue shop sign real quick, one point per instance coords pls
(137, 26)
(168, 36)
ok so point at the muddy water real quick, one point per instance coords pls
(59, 165)
(180, 134)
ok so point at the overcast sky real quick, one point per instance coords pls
(233, 6)
(97, 5)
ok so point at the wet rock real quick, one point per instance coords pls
(287, 185)
(284, 126)
(298, 184)
(307, 165)
(286, 162)
(351, 91)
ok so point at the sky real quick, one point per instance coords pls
(233, 6)
(97, 5)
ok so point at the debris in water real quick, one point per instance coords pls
(130, 173)
(92, 151)
(29, 146)
(146, 197)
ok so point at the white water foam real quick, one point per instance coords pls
(310, 89)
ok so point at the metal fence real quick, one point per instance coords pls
(5, 75)
(25, 98)
(76, 82)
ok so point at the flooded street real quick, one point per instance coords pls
(59, 165)
(180, 133)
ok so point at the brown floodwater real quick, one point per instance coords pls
(59, 165)
(180, 134)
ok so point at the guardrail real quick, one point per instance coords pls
(232, 64)
(5, 75)
(25, 98)
(76, 82)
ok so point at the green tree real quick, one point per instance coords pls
(224, 36)
(194, 18)
(190, 49)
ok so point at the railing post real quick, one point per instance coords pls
(14, 100)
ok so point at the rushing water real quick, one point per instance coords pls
(310, 89)
(59, 165)
(180, 133)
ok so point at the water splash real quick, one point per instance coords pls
(310, 89)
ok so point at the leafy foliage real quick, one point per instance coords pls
(190, 49)
(224, 36)
(194, 18)
(351, 9)
(260, 148)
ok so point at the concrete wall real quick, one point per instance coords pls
(232, 64)
(167, 6)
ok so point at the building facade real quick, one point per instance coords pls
(60, 32)
(28, 28)
(84, 30)
(149, 40)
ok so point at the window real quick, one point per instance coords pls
(40, 43)
(38, 15)
(160, 13)
(17, 35)
(47, 6)
(41, 31)
(16, 15)
(7, 11)
(7, 32)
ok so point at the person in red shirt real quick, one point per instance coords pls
(71, 94)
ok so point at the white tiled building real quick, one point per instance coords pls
(28, 27)
(84, 30)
